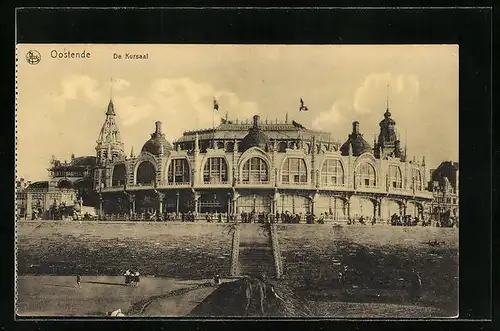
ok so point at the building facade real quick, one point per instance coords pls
(444, 186)
(34, 200)
(77, 174)
(263, 167)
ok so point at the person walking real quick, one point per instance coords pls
(78, 281)
(127, 277)
(217, 280)
(416, 286)
(137, 278)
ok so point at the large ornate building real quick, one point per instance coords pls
(266, 167)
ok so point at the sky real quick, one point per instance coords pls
(61, 102)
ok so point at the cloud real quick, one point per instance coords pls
(334, 117)
(181, 104)
(189, 104)
(120, 84)
(73, 88)
(371, 96)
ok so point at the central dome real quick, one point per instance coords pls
(356, 141)
(157, 144)
(255, 137)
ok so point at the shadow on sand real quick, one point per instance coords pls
(105, 283)
(59, 285)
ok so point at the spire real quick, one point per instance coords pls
(388, 89)
(406, 142)
(111, 109)
(286, 117)
(132, 154)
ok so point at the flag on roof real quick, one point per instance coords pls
(216, 105)
(303, 107)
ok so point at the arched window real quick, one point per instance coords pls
(365, 175)
(255, 171)
(66, 184)
(146, 173)
(215, 171)
(294, 171)
(178, 171)
(395, 177)
(332, 173)
(417, 180)
(119, 175)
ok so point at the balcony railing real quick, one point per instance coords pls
(216, 183)
(255, 182)
(177, 184)
(295, 183)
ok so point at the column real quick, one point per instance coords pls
(313, 202)
(196, 198)
(347, 207)
(161, 197)
(177, 205)
(376, 209)
(100, 205)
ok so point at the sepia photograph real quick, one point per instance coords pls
(237, 180)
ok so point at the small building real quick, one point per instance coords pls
(77, 174)
(35, 200)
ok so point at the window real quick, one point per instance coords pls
(119, 175)
(416, 180)
(294, 171)
(215, 171)
(395, 177)
(178, 171)
(366, 175)
(332, 173)
(255, 170)
(146, 174)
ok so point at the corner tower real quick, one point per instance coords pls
(109, 144)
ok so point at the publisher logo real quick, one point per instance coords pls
(33, 57)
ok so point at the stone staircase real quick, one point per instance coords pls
(255, 251)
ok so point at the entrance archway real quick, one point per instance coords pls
(332, 206)
(361, 206)
(389, 208)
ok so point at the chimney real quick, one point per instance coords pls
(355, 127)
(256, 121)
(158, 127)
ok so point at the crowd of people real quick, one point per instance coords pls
(285, 217)
(132, 277)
